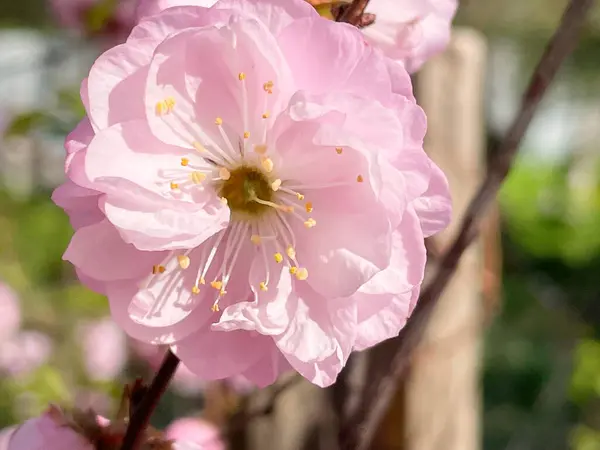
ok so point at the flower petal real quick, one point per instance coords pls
(434, 207)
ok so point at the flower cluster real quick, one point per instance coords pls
(250, 187)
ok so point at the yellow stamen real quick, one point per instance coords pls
(184, 261)
(202, 280)
(360, 179)
(184, 162)
(246, 134)
(308, 207)
(263, 286)
(215, 307)
(255, 239)
(222, 292)
(302, 274)
(339, 150)
(241, 76)
(260, 149)
(224, 174)
(291, 252)
(268, 87)
(218, 121)
(309, 223)
(223, 200)
(198, 177)
(267, 164)
(165, 107)
(217, 285)
(275, 185)
(293, 270)
(158, 269)
(195, 290)
(174, 185)
(278, 257)
(198, 146)
(266, 115)
(299, 196)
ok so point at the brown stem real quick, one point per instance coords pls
(353, 13)
(358, 431)
(141, 415)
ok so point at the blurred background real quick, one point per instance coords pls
(540, 372)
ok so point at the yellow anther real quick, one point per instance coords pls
(215, 307)
(223, 200)
(291, 252)
(217, 285)
(260, 149)
(241, 76)
(158, 269)
(266, 115)
(293, 270)
(255, 238)
(302, 274)
(198, 146)
(218, 121)
(170, 102)
(159, 110)
(263, 286)
(174, 185)
(339, 150)
(310, 223)
(275, 185)
(222, 292)
(164, 107)
(195, 290)
(300, 196)
(267, 164)
(308, 207)
(224, 174)
(198, 177)
(184, 261)
(360, 179)
(278, 257)
(268, 87)
(246, 134)
(184, 162)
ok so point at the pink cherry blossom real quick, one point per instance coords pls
(10, 312)
(104, 349)
(411, 31)
(24, 352)
(250, 188)
(79, 15)
(47, 432)
(197, 431)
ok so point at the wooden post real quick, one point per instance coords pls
(438, 404)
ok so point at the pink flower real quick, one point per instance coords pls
(108, 19)
(24, 352)
(47, 432)
(10, 312)
(255, 189)
(196, 431)
(104, 349)
(411, 31)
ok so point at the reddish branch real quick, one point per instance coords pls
(359, 430)
(353, 14)
(140, 417)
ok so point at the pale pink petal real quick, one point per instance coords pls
(214, 355)
(148, 8)
(268, 369)
(434, 207)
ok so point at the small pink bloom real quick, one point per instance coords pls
(262, 207)
(104, 349)
(196, 431)
(10, 312)
(47, 432)
(411, 31)
(24, 352)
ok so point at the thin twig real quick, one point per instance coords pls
(141, 416)
(353, 12)
(358, 432)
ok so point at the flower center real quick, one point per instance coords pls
(243, 188)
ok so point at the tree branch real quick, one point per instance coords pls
(141, 415)
(358, 432)
(353, 12)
